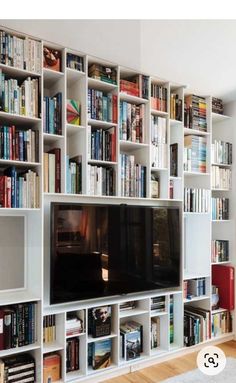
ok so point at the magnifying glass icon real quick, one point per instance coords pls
(211, 360)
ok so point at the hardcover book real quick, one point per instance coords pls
(101, 354)
(51, 368)
(100, 321)
(52, 59)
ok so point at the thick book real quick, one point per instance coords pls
(101, 354)
(51, 368)
(100, 321)
(223, 278)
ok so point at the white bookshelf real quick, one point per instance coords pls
(197, 229)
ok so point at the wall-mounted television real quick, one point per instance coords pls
(102, 250)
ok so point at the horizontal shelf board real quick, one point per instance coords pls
(16, 209)
(188, 131)
(195, 299)
(17, 350)
(221, 220)
(154, 169)
(91, 339)
(160, 113)
(222, 336)
(221, 190)
(17, 72)
(72, 128)
(100, 123)
(73, 74)
(132, 145)
(47, 137)
(175, 178)
(74, 375)
(192, 276)
(220, 263)
(175, 122)
(101, 85)
(195, 213)
(105, 163)
(91, 371)
(51, 76)
(216, 117)
(217, 311)
(19, 163)
(221, 165)
(155, 313)
(51, 347)
(174, 346)
(132, 99)
(158, 351)
(75, 335)
(17, 118)
(14, 297)
(130, 313)
(190, 174)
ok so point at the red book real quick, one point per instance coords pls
(223, 278)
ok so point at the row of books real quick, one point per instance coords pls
(102, 144)
(51, 367)
(159, 97)
(132, 122)
(52, 112)
(19, 189)
(219, 250)
(158, 304)
(195, 113)
(101, 180)
(103, 73)
(74, 62)
(217, 105)
(52, 171)
(137, 86)
(176, 106)
(221, 152)
(194, 288)
(102, 106)
(17, 325)
(19, 98)
(99, 354)
(220, 208)
(19, 144)
(75, 322)
(197, 325)
(131, 342)
(158, 130)
(221, 178)
(17, 368)
(159, 155)
(133, 177)
(195, 154)
(197, 200)
(171, 314)
(21, 53)
(49, 328)
(72, 354)
(155, 332)
(74, 174)
(221, 323)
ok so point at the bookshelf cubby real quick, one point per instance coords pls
(121, 117)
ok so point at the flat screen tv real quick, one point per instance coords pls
(109, 250)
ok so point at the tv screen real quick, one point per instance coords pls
(110, 250)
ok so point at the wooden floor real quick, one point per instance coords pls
(162, 371)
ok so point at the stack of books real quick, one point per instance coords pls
(17, 368)
(131, 340)
(74, 323)
(195, 154)
(129, 305)
(135, 86)
(158, 304)
(217, 105)
(195, 113)
(102, 73)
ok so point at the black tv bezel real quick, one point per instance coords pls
(116, 296)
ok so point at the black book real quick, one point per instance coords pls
(100, 321)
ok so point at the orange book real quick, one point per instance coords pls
(51, 368)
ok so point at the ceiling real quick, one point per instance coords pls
(198, 53)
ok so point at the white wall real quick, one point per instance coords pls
(114, 40)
